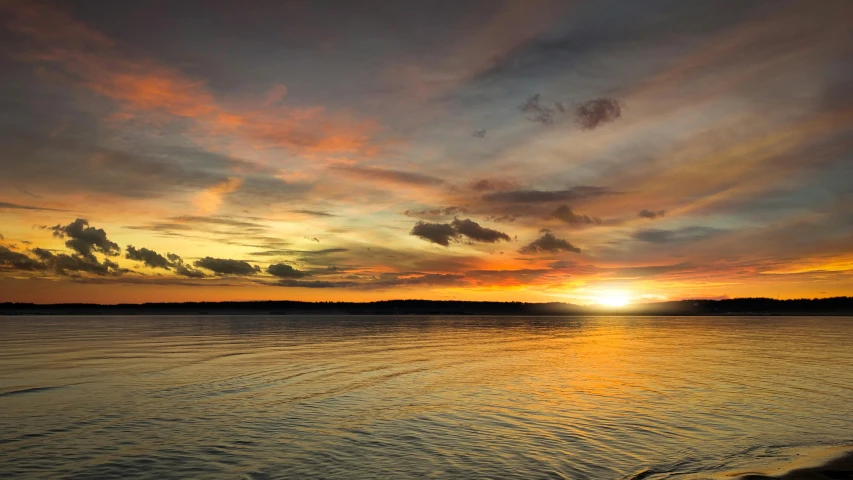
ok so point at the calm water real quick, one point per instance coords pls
(415, 397)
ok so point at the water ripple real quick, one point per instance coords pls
(417, 397)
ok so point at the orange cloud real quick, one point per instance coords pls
(144, 87)
(209, 200)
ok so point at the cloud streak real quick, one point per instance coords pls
(548, 243)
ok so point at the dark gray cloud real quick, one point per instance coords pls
(482, 185)
(502, 218)
(588, 115)
(68, 265)
(662, 23)
(385, 281)
(225, 266)
(548, 243)
(646, 271)
(536, 111)
(42, 253)
(18, 261)
(73, 263)
(504, 276)
(301, 253)
(315, 283)
(85, 240)
(436, 212)
(395, 280)
(543, 196)
(29, 193)
(566, 214)
(687, 234)
(645, 213)
(444, 233)
(474, 231)
(440, 233)
(479, 133)
(181, 269)
(185, 271)
(227, 221)
(314, 213)
(395, 176)
(282, 270)
(148, 257)
(59, 163)
(599, 111)
(149, 280)
(486, 184)
(26, 207)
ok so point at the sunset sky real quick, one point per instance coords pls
(472, 150)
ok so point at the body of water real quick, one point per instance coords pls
(417, 397)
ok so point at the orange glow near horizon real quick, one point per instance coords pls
(613, 298)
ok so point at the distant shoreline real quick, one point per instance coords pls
(836, 306)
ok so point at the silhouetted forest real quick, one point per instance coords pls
(736, 306)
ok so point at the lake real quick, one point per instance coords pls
(255, 397)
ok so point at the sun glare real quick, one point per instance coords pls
(613, 298)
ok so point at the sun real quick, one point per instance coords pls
(613, 298)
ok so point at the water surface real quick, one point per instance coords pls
(413, 397)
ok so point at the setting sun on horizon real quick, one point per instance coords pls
(613, 298)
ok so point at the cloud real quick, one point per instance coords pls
(148, 257)
(502, 218)
(394, 280)
(543, 196)
(687, 234)
(43, 253)
(440, 233)
(436, 212)
(392, 176)
(18, 261)
(645, 213)
(282, 270)
(86, 240)
(27, 207)
(646, 271)
(65, 265)
(488, 184)
(479, 133)
(538, 112)
(305, 253)
(72, 263)
(507, 277)
(2, 237)
(548, 243)
(185, 271)
(444, 233)
(314, 213)
(475, 232)
(566, 214)
(597, 112)
(209, 200)
(70, 164)
(276, 94)
(149, 90)
(181, 269)
(224, 266)
(482, 185)
(315, 284)
(231, 222)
